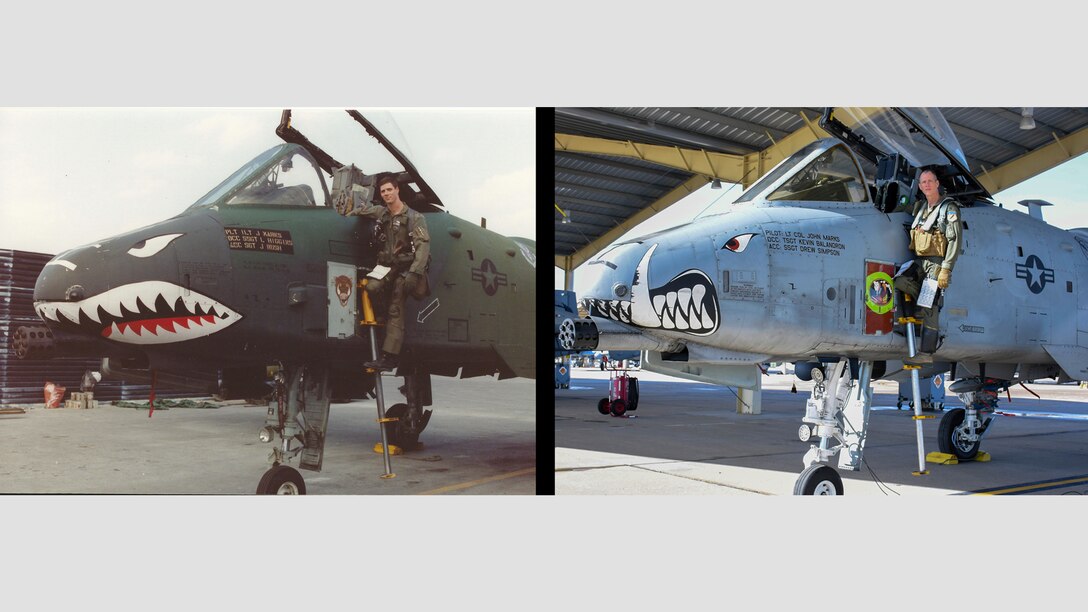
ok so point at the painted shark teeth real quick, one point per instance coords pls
(151, 312)
(685, 309)
(609, 309)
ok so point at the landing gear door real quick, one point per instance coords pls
(343, 305)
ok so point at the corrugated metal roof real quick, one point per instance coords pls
(602, 191)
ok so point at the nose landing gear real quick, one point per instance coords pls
(837, 410)
(298, 417)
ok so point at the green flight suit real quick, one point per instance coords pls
(407, 252)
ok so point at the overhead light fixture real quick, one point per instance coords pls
(1027, 120)
(716, 184)
(565, 213)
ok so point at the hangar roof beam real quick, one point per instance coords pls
(662, 131)
(1036, 162)
(583, 254)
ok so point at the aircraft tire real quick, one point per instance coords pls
(946, 436)
(632, 394)
(818, 480)
(281, 480)
(618, 408)
(396, 433)
(602, 406)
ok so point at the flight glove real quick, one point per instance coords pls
(944, 277)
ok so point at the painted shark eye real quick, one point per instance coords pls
(151, 246)
(737, 244)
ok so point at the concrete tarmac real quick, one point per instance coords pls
(481, 440)
(686, 438)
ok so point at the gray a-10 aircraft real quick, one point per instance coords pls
(801, 269)
(263, 271)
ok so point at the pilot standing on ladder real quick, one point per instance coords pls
(406, 251)
(935, 241)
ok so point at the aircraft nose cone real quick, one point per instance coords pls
(613, 283)
(65, 278)
(650, 286)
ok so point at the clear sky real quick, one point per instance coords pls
(73, 176)
(1064, 186)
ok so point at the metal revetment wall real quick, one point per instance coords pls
(23, 381)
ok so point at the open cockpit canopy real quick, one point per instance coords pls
(903, 142)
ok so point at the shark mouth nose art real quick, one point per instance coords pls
(152, 312)
(686, 303)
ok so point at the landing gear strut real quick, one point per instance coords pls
(411, 418)
(838, 410)
(298, 418)
(961, 430)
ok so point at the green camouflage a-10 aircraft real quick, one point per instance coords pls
(264, 270)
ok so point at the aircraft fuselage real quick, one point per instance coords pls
(794, 285)
(251, 284)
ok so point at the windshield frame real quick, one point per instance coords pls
(253, 169)
(787, 168)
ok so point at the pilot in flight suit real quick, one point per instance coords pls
(406, 251)
(936, 234)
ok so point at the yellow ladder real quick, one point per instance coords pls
(371, 322)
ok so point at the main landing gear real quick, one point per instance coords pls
(961, 430)
(411, 418)
(298, 418)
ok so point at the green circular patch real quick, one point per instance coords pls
(879, 293)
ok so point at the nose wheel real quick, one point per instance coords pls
(281, 480)
(818, 480)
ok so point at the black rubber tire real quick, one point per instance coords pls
(602, 406)
(618, 408)
(281, 480)
(632, 394)
(818, 480)
(396, 433)
(946, 434)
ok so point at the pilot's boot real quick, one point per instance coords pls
(930, 340)
(387, 361)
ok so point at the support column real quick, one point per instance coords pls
(750, 401)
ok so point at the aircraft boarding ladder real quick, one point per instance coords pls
(371, 322)
(908, 323)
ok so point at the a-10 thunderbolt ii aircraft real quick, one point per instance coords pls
(264, 271)
(801, 268)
